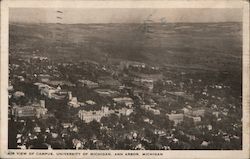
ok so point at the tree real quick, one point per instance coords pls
(95, 127)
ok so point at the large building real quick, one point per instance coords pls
(124, 100)
(177, 118)
(51, 92)
(23, 112)
(89, 116)
(194, 115)
(34, 110)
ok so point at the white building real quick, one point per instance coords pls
(151, 109)
(177, 118)
(124, 100)
(89, 116)
(73, 102)
(90, 102)
(199, 112)
(89, 84)
(48, 91)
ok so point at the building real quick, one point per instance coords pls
(216, 114)
(109, 82)
(23, 112)
(127, 64)
(44, 77)
(47, 91)
(186, 111)
(124, 100)
(18, 94)
(151, 109)
(59, 94)
(198, 112)
(89, 84)
(66, 125)
(90, 102)
(89, 116)
(35, 110)
(106, 92)
(181, 95)
(40, 85)
(160, 132)
(124, 111)
(195, 119)
(177, 118)
(69, 95)
(73, 102)
(61, 83)
(41, 110)
(144, 82)
(51, 92)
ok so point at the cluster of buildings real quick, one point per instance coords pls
(144, 97)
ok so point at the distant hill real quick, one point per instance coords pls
(202, 45)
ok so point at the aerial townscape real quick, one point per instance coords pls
(114, 90)
(130, 106)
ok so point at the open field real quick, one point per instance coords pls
(216, 46)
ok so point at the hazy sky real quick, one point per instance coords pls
(42, 15)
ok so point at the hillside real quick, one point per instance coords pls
(215, 46)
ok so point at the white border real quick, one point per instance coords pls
(6, 4)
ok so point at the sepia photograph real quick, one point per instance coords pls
(124, 78)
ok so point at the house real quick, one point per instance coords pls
(67, 125)
(160, 132)
(18, 94)
(37, 129)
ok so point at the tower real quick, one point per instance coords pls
(69, 95)
(42, 103)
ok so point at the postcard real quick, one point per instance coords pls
(124, 79)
